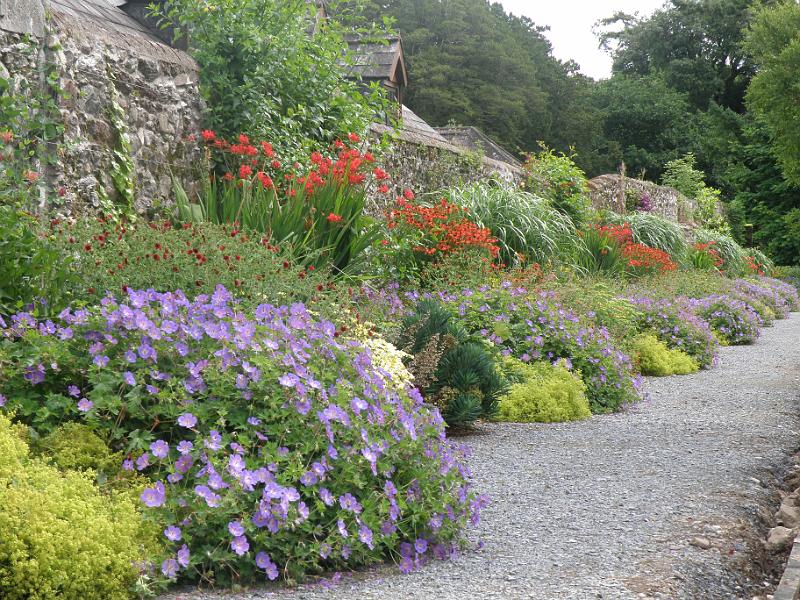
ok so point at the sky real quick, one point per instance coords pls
(571, 24)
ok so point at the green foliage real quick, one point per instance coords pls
(528, 229)
(194, 259)
(556, 177)
(656, 232)
(732, 254)
(75, 447)
(33, 267)
(496, 72)
(681, 175)
(688, 283)
(456, 372)
(645, 122)
(543, 393)
(773, 40)
(604, 253)
(60, 538)
(263, 72)
(122, 167)
(654, 357)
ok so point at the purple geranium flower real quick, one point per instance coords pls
(155, 496)
(85, 405)
(129, 378)
(170, 568)
(159, 448)
(173, 533)
(187, 420)
(235, 528)
(240, 545)
(183, 556)
(185, 446)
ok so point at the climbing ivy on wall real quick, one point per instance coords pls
(122, 166)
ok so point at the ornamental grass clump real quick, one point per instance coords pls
(543, 393)
(275, 447)
(533, 326)
(677, 327)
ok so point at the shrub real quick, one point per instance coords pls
(531, 326)
(454, 371)
(673, 284)
(60, 538)
(654, 358)
(262, 70)
(528, 229)
(34, 272)
(556, 177)
(195, 258)
(545, 393)
(732, 320)
(319, 213)
(74, 446)
(275, 444)
(788, 292)
(678, 328)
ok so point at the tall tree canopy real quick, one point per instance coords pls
(472, 63)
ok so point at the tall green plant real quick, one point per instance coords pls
(555, 176)
(656, 232)
(273, 68)
(528, 229)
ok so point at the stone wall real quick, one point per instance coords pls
(428, 165)
(608, 192)
(96, 61)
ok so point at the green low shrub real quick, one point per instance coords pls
(544, 393)
(60, 537)
(654, 357)
(74, 446)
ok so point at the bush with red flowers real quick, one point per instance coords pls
(433, 233)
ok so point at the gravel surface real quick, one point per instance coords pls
(613, 507)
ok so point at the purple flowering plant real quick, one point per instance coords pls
(732, 320)
(678, 327)
(534, 326)
(261, 463)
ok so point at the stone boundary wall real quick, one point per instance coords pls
(426, 165)
(608, 192)
(156, 88)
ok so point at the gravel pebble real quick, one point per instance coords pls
(608, 508)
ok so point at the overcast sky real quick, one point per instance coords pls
(571, 24)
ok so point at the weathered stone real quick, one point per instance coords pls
(780, 538)
(149, 68)
(701, 542)
(788, 514)
(4, 72)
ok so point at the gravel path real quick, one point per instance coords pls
(608, 508)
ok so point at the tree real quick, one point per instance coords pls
(774, 42)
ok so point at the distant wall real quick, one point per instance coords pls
(425, 165)
(608, 192)
(156, 88)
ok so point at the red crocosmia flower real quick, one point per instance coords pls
(245, 171)
(265, 180)
(7, 137)
(368, 156)
(380, 174)
(408, 194)
(228, 176)
(275, 164)
(243, 139)
(353, 137)
(384, 242)
(338, 144)
(356, 178)
(31, 176)
(334, 218)
(383, 189)
(209, 135)
(269, 152)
